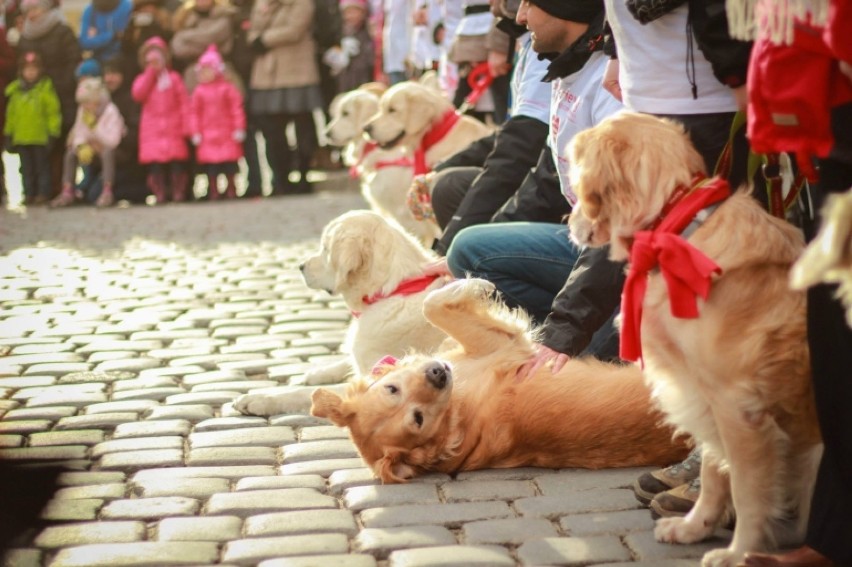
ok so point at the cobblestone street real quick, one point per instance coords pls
(126, 333)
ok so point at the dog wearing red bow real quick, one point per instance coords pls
(707, 311)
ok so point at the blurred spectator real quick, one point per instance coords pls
(196, 25)
(33, 124)
(101, 27)
(148, 19)
(163, 127)
(218, 124)
(7, 72)
(87, 68)
(396, 42)
(96, 134)
(357, 45)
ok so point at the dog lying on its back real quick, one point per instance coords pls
(462, 409)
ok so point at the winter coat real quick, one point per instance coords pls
(7, 72)
(60, 54)
(127, 153)
(107, 132)
(197, 31)
(142, 27)
(284, 27)
(108, 27)
(163, 127)
(216, 112)
(360, 68)
(32, 115)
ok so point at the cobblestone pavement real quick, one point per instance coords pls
(124, 336)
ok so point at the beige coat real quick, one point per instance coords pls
(286, 28)
(193, 33)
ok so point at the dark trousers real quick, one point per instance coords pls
(35, 171)
(451, 185)
(278, 151)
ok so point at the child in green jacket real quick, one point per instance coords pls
(33, 122)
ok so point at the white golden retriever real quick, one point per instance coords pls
(737, 377)
(385, 174)
(377, 268)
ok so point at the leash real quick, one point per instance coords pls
(479, 79)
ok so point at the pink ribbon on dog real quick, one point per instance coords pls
(387, 360)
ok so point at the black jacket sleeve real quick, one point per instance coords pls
(473, 155)
(539, 198)
(590, 296)
(728, 57)
(516, 148)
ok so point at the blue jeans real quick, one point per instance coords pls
(528, 262)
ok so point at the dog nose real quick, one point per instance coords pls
(368, 129)
(302, 267)
(436, 374)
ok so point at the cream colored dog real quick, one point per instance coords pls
(737, 377)
(410, 113)
(385, 174)
(366, 259)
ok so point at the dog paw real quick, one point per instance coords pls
(721, 558)
(461, 291)
(680, 530)
(255, 404)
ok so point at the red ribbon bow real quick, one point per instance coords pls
(379, 367)
(686, 270)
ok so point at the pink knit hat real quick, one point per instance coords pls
(211, 58)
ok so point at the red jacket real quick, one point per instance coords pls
(163, 127)
(216, 112)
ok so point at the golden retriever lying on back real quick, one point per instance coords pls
(737, 376)
(463, 409)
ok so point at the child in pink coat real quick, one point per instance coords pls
(164, 124)
(217, 122)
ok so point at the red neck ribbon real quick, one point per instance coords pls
(406, 287)
(432, 137)
(370, 147)
(685, 269)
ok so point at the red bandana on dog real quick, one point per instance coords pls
(406, 287)
(686, 270)
(432, 137)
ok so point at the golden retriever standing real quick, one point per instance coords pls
(377, 268)
(463, 409)
(737, 376)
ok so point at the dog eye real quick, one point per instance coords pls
(391, 110)
(392, 389)
(345, 113)
(418, 418)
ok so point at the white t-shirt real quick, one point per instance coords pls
(530, 96)
(577, 102)
(653, 65)
(396, 34)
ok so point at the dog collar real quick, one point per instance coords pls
(406, 287)
(435, 134)
(686, 270)
(370, 147)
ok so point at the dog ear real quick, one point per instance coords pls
(420, 109)
(349, 257)
(325, 403)
(392, 468)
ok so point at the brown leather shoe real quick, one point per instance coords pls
(803, 557)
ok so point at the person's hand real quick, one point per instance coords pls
(239, 135)
(741, 96)
(258, 46)
(92, 31)
(610, 79)
(155, 59)
(498, 63)
(542, 356)
(195, 139)
(437, 268)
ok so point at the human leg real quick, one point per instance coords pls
(69, 171)
(156, 181)
(107, 198)
(306, 145)
(179, 180)
(278, 154)
(448, 191)
(528, 262)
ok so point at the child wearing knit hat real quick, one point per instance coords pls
(217, 122)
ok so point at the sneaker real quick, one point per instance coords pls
(64, 199)
(652, 483)
(676, 502)
(105, 199)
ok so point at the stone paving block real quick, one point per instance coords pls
(90, 532)
(129, 364)
(168, 336)
(66, 399)
(202, 472)
(57, 453)
(198, 488)
(254, 502)
(265, 346)
(98, 357)
(86, 338)
(42, 348)
(97, 421)
(261, 437)
(43, 358)
(192, 413)
(578, 502)
(152, 429)
(607, 523)
(22, 558)
(259, 366)
(27, 381)
(89, 477)
(11, 440)
(230, 423)
(158, 394)
(224, 456)
(137, 554)
(452, 556)
(319, 450)
(210, 528)
(215, 398)
(487, 490)
(301, 522)
(274, 482)
(362, 497)
(380, 542)
(137, 444)
(449, 515)
(323, 432)
(286, 371)
(69, 510)
(251, 551)
(348, 560)
(211, 361)
(322, 467)
(167, 354)
(172, 371)
(59, 389)
(58, 368)
(150, 508)
(110, 377)
(646, 548)
(135, 460)
(564, 482)
(145, 383)
(102, 491)
(513, 531)
(11, 369)
(571, 551)
(53, 413)
(213, 377)
(243, 386)
(107, 345)
(340, 480)
(137, 406)
(75, 437)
